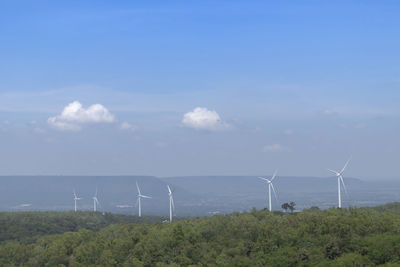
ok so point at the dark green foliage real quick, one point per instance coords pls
(27, 226)
(334, 237)
(394, 206)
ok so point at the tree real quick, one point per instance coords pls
(289, 206)
(345, 237)
(285, 206)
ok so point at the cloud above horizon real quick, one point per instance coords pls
(126, 126)
(273, 147)
(74, 116)
(204, 119)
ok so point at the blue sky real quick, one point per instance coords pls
(288, 85)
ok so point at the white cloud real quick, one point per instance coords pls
(39, 130)
(288, 132)
(36, 128)
(75, 115)
(329, 112)
(202, 118)
(273, 147)
(126, 126)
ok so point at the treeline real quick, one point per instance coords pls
(26, 227)
(394, 206)
(334, 237)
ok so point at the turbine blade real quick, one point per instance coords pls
(273, 177)
(74, 193)
(137, 186)
(344, 186)
(265, 179)
(143, 196)
(347, 162)
(335, 172)
(169, 190)
(273, 189)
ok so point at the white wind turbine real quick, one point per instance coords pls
(171, 203)
(270, 185)
(139, 197)
(339, 176)
(95, 201)
(76, 199)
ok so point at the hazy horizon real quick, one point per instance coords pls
(393, 179)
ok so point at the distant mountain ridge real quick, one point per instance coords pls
(55, 193)
(193, 195)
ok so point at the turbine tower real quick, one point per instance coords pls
(171, 203)
(139, 197)
(76, 199)
(270, 186)
(339, 176)
(95, 201)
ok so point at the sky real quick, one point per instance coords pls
(172, 88)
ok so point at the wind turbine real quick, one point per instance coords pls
(95, 201)
(76, 199)
(339, 176)
(139, 197)
(171, 203)
(270, 185)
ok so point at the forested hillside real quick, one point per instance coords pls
(334, 237)
(394, 206)
(26, 227)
